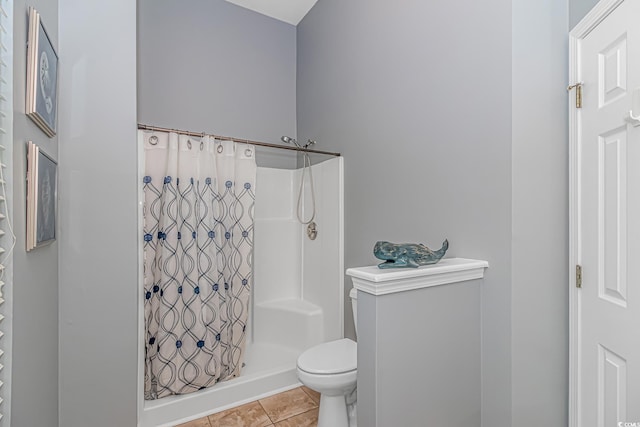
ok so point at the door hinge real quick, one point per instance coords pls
(578, 276)
(578, 88)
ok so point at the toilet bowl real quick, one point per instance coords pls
(331, 369)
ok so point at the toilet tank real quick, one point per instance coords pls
(353, 294)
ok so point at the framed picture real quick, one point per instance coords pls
(42, 178)
(42, 76)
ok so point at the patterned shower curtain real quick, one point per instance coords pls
(198, 243)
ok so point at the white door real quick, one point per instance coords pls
(605, 359)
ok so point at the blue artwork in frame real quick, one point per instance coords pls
(46, 199)
(42, 195)
(42, 76)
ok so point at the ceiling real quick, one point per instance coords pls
(291, 11)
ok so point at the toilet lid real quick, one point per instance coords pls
(332, 357)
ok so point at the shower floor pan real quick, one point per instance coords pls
(270, 369)
(285, 328)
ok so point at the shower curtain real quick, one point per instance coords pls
(199, 199)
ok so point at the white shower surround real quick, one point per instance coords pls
(298, 294)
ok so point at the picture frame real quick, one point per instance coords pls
(42, 77)
(42, 195)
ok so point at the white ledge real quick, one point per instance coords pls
(376, 281)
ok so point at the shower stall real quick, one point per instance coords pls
(297, 297)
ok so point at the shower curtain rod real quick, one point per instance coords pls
(227, 138)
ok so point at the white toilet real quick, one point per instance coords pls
(330, 368)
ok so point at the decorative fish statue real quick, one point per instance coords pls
(398, 255)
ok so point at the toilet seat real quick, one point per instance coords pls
(330, 358)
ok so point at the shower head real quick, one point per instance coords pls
(288, 140)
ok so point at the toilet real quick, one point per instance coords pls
(330, 369)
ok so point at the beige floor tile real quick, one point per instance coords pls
(200, 422)
(249, 415)
(312, 394)
(306, 419)
(286, 405)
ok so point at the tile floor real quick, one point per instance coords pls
(293, 408)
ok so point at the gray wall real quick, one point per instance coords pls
(540, 249)
(417, 96)
(35, 290)
(433, 149)
(215, 67)
(98, 303)
(98, 211)
(428, 375)
(578, 9)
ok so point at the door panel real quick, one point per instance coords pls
(612, 212)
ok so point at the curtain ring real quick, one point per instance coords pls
(153, 140)
(189, 143)
(220, 148)
(201, 145)
(248, 152)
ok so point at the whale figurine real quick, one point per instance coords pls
(413, 255)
